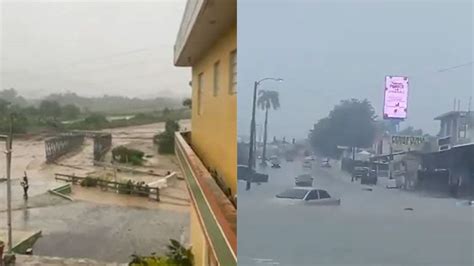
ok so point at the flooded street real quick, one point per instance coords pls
(102, 232)
(369, 228)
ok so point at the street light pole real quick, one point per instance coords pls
(252, 138)
(251, 162)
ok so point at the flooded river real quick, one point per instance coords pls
(102, 226)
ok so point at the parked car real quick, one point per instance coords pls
(304, 180)
(307, 196)
(275, 162)
(243, 172)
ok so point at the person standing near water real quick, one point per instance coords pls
(25, 186)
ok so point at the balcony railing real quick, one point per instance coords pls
(216, 213)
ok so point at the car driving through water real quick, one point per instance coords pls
(307, 196)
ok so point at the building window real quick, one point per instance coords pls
(233, 72)
(199, 93)
(216, 78)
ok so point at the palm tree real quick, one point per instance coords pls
(267, 99)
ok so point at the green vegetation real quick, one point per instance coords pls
(351, 123)
(123, 187)
(61, 112)
(89, 182)
(130, 187)
(188, 103)
(115, 104)
(123, 154)
(96, 121)
(177, 255)
(165, 140)
(267, 100)
(30, 118)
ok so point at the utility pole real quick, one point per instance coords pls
(8, 145)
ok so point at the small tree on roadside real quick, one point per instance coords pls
(187, 103)
(351, 123)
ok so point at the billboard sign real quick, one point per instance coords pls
(396, 97)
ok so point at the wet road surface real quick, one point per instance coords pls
(101, 232)
(369, 228)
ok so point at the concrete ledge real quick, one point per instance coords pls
(61, 191)
(22, 240)
(64, 189)
(27, 243)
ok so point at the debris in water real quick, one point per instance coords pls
(408, 209)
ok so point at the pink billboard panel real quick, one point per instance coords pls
(396, 97)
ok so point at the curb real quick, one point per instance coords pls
(27, 243)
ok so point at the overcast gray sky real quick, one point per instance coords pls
(332, 50)
(92, 48)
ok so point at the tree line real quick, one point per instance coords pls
(352, 123)
(48, 114)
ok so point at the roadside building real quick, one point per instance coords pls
(456, 128)
(207, 42)
(450, 169)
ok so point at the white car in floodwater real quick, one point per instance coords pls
(307, 196)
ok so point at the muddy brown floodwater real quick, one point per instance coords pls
(99, 225)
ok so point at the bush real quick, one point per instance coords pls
(125, 155)
(165, 143)
(177, 255)
(165, 140)
(89, 182)
(135, 160)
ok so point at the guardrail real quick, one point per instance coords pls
(119, 187)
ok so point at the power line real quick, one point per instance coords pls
(455, 67)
